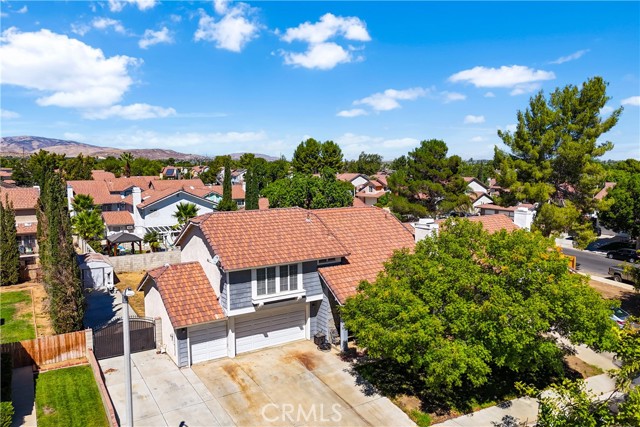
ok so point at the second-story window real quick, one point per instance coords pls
(266, 280)
(288, 277)
(271, 281)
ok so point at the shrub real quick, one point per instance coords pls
(6, 414)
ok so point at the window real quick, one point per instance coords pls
(273, 281)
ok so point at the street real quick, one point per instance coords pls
(592, 263)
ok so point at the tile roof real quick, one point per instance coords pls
(494, 223)
(381, 178)
(256, 238)
(99, 190)
(375, 195)
(151, 196)
(20, 197)
(502, 208)
(101, 175)
(118, 185)
(5, 173)
(358, 203)
(117, 218)
(603, 193)
(163, 184)
(94, 257)
(371, 235)
(26, 228)
(475, 195)
(263, 203)
(237, 192)
(348, 177)
(186, 293)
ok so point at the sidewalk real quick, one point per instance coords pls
(23, 396)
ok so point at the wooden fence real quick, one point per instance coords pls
(47, 350)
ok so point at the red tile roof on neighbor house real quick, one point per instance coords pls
(163, 184)
(603, 193)
(348, 177)
(123, 183)
(494, 223)
(152, 196)
(101, 175)
(371, 235)
(186, 293)
(381, 178)
(375, 195)
(237, 192)
(99, 190)
(20, 197)
(112, 218)
(505, 209)
(258, 238)
(26, 228)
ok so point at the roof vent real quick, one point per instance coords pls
(167, 264)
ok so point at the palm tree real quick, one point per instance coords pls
(88, 225)
(83, 202)
(153, 239)
(127, 158)
(185, 212)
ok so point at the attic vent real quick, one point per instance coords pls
(27, 224)
(166, 264)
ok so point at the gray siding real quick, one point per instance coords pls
(311, 278)
(240, 289)
(183, 347)
(224, 288)
(320, 313)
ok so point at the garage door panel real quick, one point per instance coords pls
(270, 328)
(208, 342)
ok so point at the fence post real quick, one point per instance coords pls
(158, 332)
(88, 334)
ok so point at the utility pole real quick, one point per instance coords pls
(127, 354)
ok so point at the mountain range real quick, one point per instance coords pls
(25, 145)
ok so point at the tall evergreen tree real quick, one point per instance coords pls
(227, 203)
(58, 257)
(252, 194)
(9, 254)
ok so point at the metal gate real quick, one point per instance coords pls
(108, 340)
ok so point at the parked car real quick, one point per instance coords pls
(622, 272)
(619, 316)
(624, 254)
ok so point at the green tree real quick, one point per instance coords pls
(311, 157)
(622, 213)
(79, 168)
(367, 164)
(552, 218)
(252, 194)
(9, 253)
(184, 212)
(126, 159)
(276, 170)
(227, 203)
(145, 167)
(83, 202)
(309, 192)
(88, 225)
(246, 159)
(21, 173)
(431, 180)
(152, 238)
(111, 164)
(466, 305)
(58, 257)
(331, 156)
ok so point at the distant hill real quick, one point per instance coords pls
(19, 145)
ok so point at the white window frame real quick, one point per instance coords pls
(278, 294)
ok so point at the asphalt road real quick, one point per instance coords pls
(592, 263)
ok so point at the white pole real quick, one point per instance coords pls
(127, 354)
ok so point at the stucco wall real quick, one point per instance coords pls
(143, 262)
(195, 248)
(476, 187)
(165, 209)
(153, 307)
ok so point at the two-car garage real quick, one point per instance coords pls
(208, 341)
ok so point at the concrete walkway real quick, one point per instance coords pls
(23, 396)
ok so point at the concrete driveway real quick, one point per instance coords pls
(294, 385)
(290, 385)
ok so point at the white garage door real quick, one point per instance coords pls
(271, 327)
(208, 341)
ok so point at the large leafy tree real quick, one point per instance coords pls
(58, 257)
(430, 182)
(9, 253)
(310, 192)
(78, 168)
(184, 212)
(466, 304)
(227, 203)
(311, 157)
(145, 167)
(32, 171)
(623, 207)
(367, 164)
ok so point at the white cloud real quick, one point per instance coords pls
(452, 96)
(473, 119)
(353, 144)
(106, 23)
(388, 100)
(478, 139)
(69, 72)
(175, 18)
(73, 136)
(80, 28)
(118, 5)
(632, 100)
(518, 77)
(511, 127)
(321, 56)
(329, 26)
(321, 53)
(232, 31)
(489, 95)
(151, 37)
(400, 143)
(23, 9)
(355, 112)
(130, 112)
(571, 57)
(6, 114)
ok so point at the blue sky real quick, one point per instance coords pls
(214, 77)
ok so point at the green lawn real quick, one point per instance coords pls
(70, 398)
(17, 317)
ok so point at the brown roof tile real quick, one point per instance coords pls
(237, 192)
(26, 228)
(20, 197)
(249, 239)
(603, 193)
(118, 185)
(371, 235)
(101, 175)
(96, 189)
(263, 203)
(494, 223)
(186, 293)
(163, 184)
(117, 218)
(348, 177)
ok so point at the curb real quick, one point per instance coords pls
(609, 282)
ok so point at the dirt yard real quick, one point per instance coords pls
(629, 300)
(40, 305)
(132, 280)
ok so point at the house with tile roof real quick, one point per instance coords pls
(267, 277)
(370, 192)
(24, 201)
(355, 179)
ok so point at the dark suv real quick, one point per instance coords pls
(623, 254)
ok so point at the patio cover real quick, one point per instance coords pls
(123, 237)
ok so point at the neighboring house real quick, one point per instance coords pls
(237, 176)
(494, 189)
(356, 179)
(237, 194)
(522, 214)
(197, 170)
(171, 172)
(475, 185)
(24, 201)
(5, 174)
(254, 279)
(370, 192)
(116, 221)
(600, 195)
(381, 177)
(102, 175)
(492, 224)
(480, 198)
